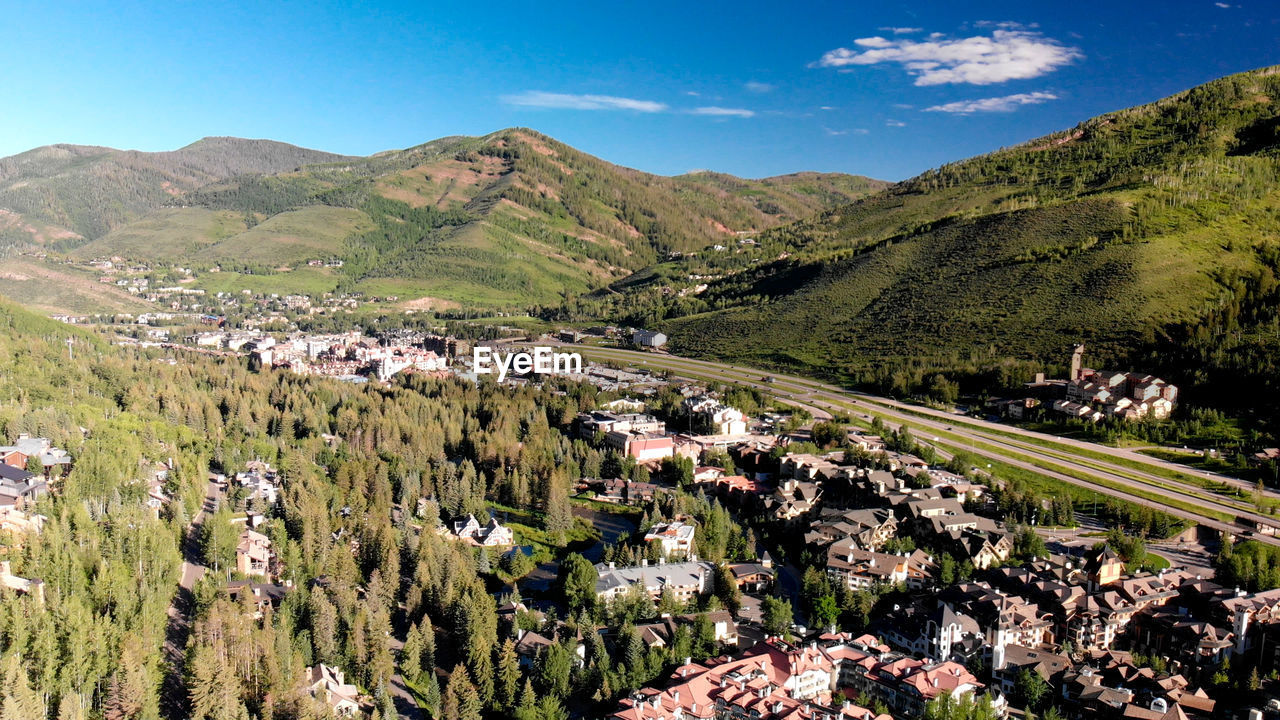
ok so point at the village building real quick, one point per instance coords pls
(853, 568)
(26, 586)
(327, 684)
(773, 681)
(674, 538)
(643, 447)
(253, 554)
(648, 339)
(754, 577)
(491, 534)
(709, 416)
(42, 450)
(684, 580)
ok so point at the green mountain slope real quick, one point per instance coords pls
(1151, 234)
(509, 219)
(59, 192)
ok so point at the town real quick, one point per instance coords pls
(763, 565)
(543, 361)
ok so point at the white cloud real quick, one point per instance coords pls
(1006, 25)
(874, 42)
(1224, 6)
(722, 112)
(564, 101)
(758, 87)
(854, 131)
(827, 107)
(692, 93)
(895, 123)
(1006, 54)
(902, 30)
(993, 104)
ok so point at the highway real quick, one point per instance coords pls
(1107, 471)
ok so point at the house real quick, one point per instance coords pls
(1104, 567)
(42, 449)
(529, 644)
(858, 569)
(709, 416)
(19, 488)
(605, 422)
(648, 338)
(1267, 455)
(626, 492)
(707, 473)
(328, 685)
(662, 632)
(793, 501)
(27, 586)
(906, 684)
(722, 624)
(491, 534)
(644, 447)
(17, 522)
(754, 577)
(675, 538)
(259, 595)
(1048, 665)
(772, 681)
(253, 554)
(685, 580)
(260, 482)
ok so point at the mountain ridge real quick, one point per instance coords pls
(89, 190)
(508, 219)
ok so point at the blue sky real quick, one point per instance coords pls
(755, 89)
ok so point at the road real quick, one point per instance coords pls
(406, 703)
(174, 697)
(1036, 452)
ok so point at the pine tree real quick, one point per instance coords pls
(508, 682)
(411, 654)
(528, 707)
(69, 707)
(432, 694)
(461, 701)
(20, 701)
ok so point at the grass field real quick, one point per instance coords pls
(58, 288)
(302, 280)
(169, 232)
(290, 238)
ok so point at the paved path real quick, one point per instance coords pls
(173, 698)
(406, 704)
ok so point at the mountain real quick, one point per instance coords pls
(70, 192)
(507, 219)
(1151, 234)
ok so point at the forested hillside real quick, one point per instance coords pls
(1151, 234)
(71, 193)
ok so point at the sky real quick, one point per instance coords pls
(751, 88)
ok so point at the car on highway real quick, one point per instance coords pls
(767, 378)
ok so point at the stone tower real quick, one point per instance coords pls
(1077, 360)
